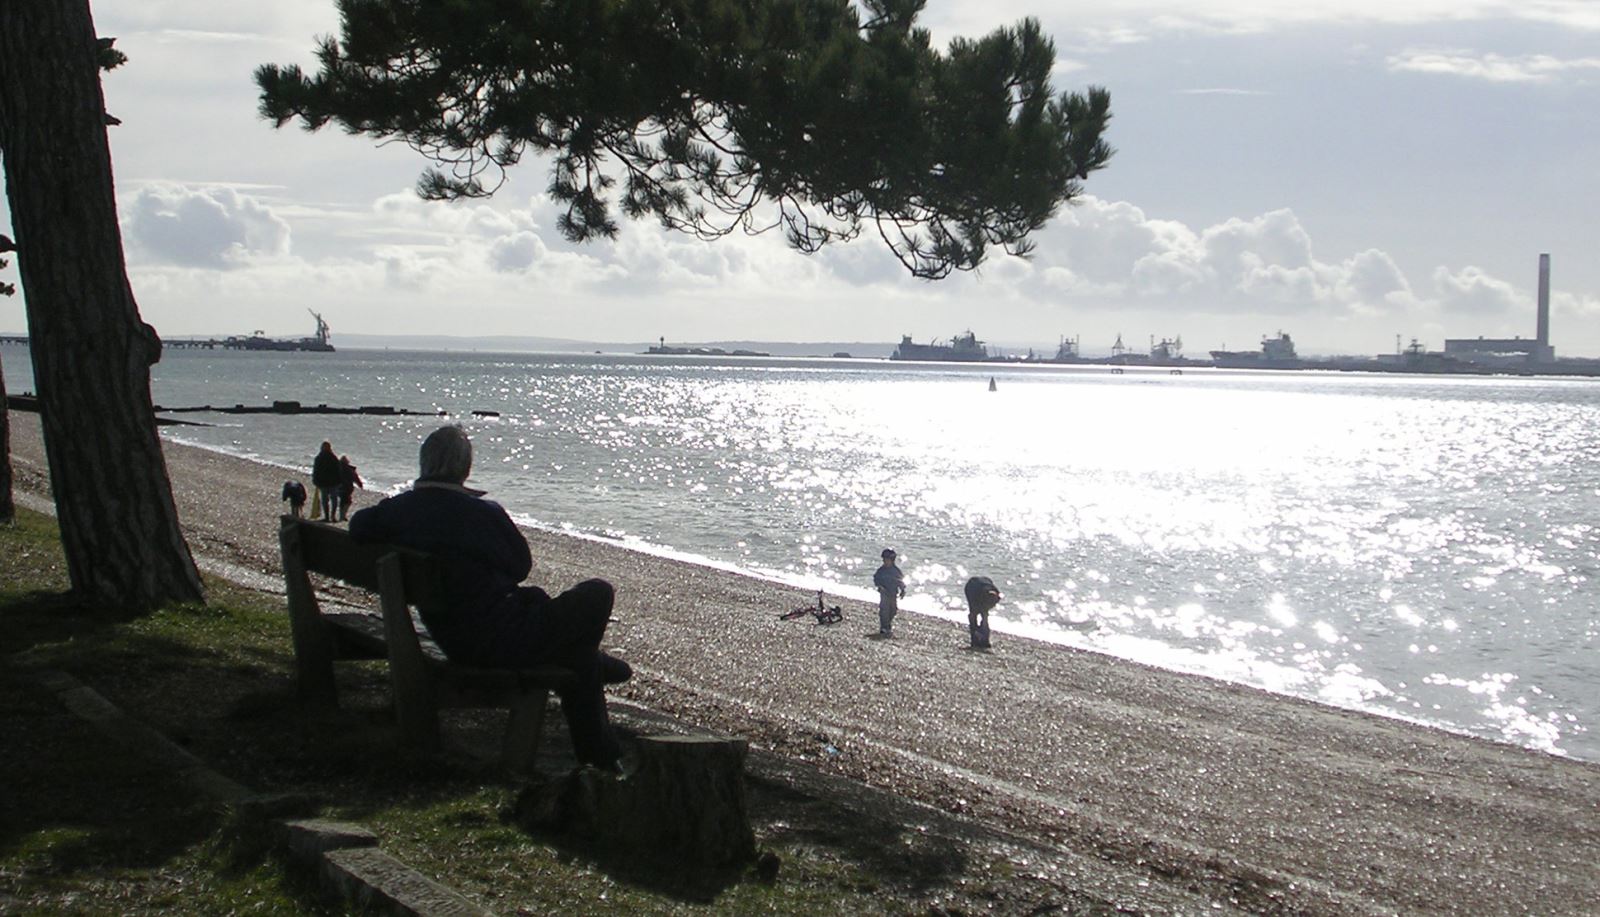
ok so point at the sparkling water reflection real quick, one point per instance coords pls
(1422, 547)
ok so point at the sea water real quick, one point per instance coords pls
(1416, 546)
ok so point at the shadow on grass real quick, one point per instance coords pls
(75, 804)
(41, 617)
(659, 875)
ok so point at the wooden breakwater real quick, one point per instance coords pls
(295, 407)
(30, 402)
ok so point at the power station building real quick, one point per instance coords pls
(1502, 350)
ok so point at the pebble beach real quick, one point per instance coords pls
(1156, 790)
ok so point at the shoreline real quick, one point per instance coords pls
(1149, 776)
(846, 593)
(1055, 635)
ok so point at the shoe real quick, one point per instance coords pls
(613, 671)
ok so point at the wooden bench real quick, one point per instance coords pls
(422, 680)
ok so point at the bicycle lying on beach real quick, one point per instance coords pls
(824, 614)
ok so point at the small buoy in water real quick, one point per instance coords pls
(991, 383)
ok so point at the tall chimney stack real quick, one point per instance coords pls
(1544, 307)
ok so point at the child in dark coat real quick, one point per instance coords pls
(349, 480)
(891, 585)
(981, 597)
(295, 493)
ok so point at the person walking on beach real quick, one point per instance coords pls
(982, 595)
(487, 618)
(295, 493)
(891, 585)
(349, 480)
(325, 478)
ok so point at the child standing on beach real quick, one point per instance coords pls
(891, 585)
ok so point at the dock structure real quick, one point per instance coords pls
(318, 343)
(187, 343)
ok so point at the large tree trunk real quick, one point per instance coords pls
(91, 352)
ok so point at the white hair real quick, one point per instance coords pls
(446, 455)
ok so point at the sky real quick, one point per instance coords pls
(1355, 173)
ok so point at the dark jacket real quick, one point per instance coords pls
(349, 479)
(890, 580)
(484, 555)
(982, 594)
(325, 471)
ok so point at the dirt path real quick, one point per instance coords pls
(1154, 790)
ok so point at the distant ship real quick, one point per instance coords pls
(1275, 353)
(962, 347)
(260, 341)
(1168, 352)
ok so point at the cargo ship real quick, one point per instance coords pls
(963, 347)
(1275, 353)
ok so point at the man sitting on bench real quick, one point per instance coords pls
(488, 619)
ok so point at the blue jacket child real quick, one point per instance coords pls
(891, 585)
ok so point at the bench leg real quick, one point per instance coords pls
(417, 714)
(313, 645)
(524, 730)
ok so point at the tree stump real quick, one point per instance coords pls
(685, 802)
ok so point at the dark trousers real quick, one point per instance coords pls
(572, 625)
(531, 628)
(330, 502)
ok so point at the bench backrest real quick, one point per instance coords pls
(400, 577)
(330, 551)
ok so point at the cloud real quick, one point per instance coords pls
(204, 20)
(1471, 291)
(444, 221)
(1112, 250)
(496, 266)
(1494, 68)
(516, 252)
(1107, 26)
(1568, 305)
(1222, 91)
(1372, 283)
(210, 227)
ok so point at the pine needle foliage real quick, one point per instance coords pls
(817, 118)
